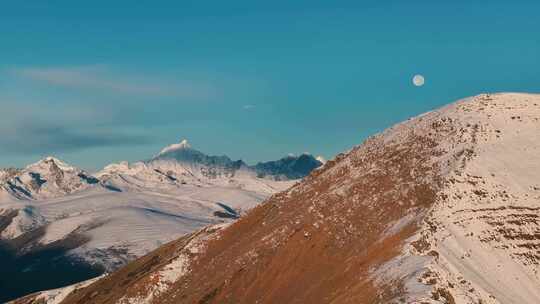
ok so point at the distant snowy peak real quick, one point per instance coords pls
(49, 177)
(182, 160)
(50, 163)
(183, 152)
(182, 145)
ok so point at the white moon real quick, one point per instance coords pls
(418, 80)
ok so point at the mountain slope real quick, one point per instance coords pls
(442, 208)
(56, 216)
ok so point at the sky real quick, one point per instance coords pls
(104, 81)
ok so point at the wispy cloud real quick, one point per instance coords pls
(248, 107)
(54, 110)
(101, 77)
(36, 139)
(38, 130)
(89, 110)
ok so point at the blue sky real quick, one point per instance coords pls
(99, 82)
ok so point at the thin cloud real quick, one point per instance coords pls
(248, 107)
(101, 78)
(27, 129)
(36, 138)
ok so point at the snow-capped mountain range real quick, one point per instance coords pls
(181, 164)
(175, 164)
(442, 208)
(126, 210)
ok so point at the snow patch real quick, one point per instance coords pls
(183, 144)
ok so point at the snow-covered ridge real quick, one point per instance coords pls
(480, 242)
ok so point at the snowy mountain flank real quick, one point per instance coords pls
(442, 208)
(126, 210)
